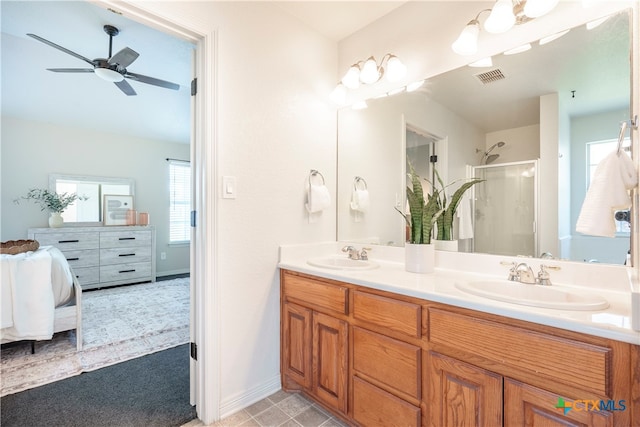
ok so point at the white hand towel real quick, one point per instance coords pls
(360, 200)
(608, 192)
(465, 219)
(318, 198)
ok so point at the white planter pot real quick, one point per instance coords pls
(56, 220)
(446, 245)
(419, 258)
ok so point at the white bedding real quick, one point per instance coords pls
(33, 284)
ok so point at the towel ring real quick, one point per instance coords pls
(314, 173)
(357, 180)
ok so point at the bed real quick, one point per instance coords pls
(40, 296)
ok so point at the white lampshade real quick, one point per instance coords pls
(339, 94)
(352, 78)
(396, 70)
(536, 8)
(108, 74)
(501, 18)
(370, 73)
(467, 43)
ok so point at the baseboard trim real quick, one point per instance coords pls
(171, 272)
(243, 400)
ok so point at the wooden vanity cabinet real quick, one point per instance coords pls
(380, 359)
(315, 339)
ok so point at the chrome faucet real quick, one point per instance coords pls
(353, 253)
(524, 274)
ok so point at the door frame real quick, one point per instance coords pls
(205, 330)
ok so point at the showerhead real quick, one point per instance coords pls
(492, 158)
(486, 158)
(497, 144)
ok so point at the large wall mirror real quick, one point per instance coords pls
(92, 189)
(549, 105)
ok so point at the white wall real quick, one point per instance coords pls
(274, 124)
(521, 143)
(32, 150)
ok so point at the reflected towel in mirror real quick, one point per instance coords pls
(360, 200)
(614, 176)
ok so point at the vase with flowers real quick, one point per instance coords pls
(52, 202)
(422, 216)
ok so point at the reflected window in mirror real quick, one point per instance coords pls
(91, 189)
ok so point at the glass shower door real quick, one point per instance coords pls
(505, 209)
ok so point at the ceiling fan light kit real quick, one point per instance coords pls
(113, 69)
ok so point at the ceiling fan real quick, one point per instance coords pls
(113, 69)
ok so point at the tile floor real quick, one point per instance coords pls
(280, 409)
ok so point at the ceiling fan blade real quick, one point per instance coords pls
(152, 81)
(125, 87)
(63, 49)
(71, 70)
(124, 58)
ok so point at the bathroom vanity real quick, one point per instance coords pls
(383, 347)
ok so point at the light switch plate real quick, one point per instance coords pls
(229, 187)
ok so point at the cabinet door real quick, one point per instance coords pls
(330, 352)
(461, 394)
(525, 405)
(296, 344)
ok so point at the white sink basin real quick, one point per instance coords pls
(534, 295)
(341, 262)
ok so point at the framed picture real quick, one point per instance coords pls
(115, 209)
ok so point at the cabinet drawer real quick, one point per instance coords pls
(68, 241)
(86, 258)
(113, 273)
(388, 313)
(87, 275)
(315, 294)
(375, 407)
(125, 255)
(535, 356)
(393, 363)
(124, 239)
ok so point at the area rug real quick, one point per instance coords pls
(118, 324)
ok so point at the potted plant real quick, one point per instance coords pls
(423, 214)
(52, 202)
(444, 239)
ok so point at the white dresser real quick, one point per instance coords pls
(104, 256)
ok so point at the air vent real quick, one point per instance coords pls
(490, 76)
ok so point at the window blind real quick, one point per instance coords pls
(179, 201)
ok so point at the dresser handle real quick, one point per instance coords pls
(126, 238)
(68, 241)
(127, 255)
(73, 259)
(127, 271)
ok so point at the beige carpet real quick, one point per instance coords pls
(118, 324)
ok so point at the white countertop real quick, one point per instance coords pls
(613, 283)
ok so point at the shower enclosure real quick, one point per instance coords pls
(506, 209)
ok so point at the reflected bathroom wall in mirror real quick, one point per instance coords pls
(93, 188)
(553, 100)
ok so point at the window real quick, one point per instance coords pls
(596, 152)
(179, 201)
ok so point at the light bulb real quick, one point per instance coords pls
(467, 43)
(352, 78)
(536, 8)
(370, 73)
(396, 70)
(108, 74)
(339, 94)
(501, 18)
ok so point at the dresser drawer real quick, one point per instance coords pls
(68, 241)
(119, 272)
(315, 294)
(86, 258)
(391, 363)
(388, 313)
(125, 255)
(124, 239)
(375, 407)
(87, 275)
(535, 356)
